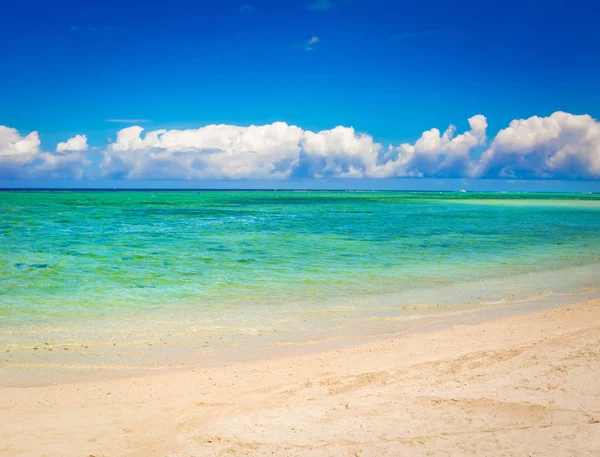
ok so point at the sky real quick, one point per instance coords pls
(317, 93)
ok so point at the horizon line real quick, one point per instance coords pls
(208, 189)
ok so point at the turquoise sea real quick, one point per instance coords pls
(144, 279)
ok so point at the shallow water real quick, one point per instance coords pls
(196, 272)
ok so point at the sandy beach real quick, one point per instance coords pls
(519, 385)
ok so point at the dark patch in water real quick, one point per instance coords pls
(132, 257)
(218, 249)
(33, 265)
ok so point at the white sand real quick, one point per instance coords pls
(522, 385)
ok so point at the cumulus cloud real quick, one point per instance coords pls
(339, 152)
(21, 156)
(560, 146)
(214, 151)
(16, 151)
(435, 154)
(77, 143)
(65, 165)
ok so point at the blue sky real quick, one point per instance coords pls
(389, 69)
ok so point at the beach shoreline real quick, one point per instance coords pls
(526, 383)
(48, 361)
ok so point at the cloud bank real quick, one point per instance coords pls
(560, 146)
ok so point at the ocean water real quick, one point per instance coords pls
(157, 278)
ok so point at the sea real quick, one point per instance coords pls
(112, 283)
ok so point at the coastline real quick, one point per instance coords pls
(47, 361)
(200, 279)
(527, 383)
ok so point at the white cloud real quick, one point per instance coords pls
(435, 154)
(21, 157)
(214, 151)
(16, 152)
(65, 165)
(77, 143)
(339, 152)
(563, 145)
